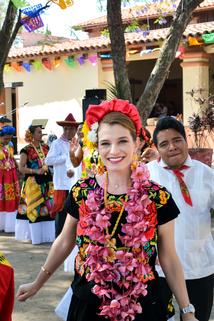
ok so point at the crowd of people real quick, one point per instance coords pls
(128, 213)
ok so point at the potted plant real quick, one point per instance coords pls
(202, 126)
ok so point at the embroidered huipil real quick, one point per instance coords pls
(193, 238)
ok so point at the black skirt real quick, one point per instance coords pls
(152, 309)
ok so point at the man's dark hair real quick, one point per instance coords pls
(168, 122)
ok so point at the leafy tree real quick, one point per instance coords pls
(10, 26)
(160, 71)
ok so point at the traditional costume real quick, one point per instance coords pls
(33, 219)
(9, 184)
(6, 289)
(115, 277)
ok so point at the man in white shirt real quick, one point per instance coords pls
(192, 186)
(63, 170)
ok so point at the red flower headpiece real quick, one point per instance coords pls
(95, 113)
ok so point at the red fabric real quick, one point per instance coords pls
(184, 189)
(95, 113)
(10, 190)
(6, 292)
(59, 197)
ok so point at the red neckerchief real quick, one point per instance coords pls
(183, 187)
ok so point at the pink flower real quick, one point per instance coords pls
(120, 276)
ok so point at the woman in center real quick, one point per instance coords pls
(118, 219)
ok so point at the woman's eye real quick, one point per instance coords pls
(104, 144)
(123, 141)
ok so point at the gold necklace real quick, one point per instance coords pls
(106, 203)
(41, 156)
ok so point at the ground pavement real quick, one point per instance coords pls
(27, 260)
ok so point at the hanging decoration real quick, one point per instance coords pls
(32, 19)
(93, 59)
(47, 63)
(208, 38)
(63, 3)
(180, 52)
(145, 51)
(16, 66)
(37, 64)
(81, 60)
(56, 62)
(26, 66)
(195, 41)
(7, 68)
(19, 3)
(70, 61)
(105, 55)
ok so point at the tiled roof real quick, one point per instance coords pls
(102, 43)
(135, 12)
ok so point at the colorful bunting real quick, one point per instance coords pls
(70, 61)
(7, 68)
(81, 60)
(56, 62)
(32, 19)
(93, 59)
(180, 52)
(63, 3)
(16, 66)
(37, 64)
(47, 63)
(208, 38)
(26, 65)
(193, 41)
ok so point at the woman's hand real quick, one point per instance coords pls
(148, 155)
(40, 171)
(26, 291)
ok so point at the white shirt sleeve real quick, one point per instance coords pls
(55, 155)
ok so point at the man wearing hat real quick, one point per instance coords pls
(63, 171)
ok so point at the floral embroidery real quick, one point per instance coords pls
(120, 272)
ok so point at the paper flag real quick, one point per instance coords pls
(7, 68)
(47, 63)
(32, 19)
(63, 3)
(56, 62)
(93, 59)
(70, 62)
(26, 65)
(37, 64)
(208, 38)
(16, 66)
(81, 60)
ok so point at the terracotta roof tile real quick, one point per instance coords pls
(135, 12)
(99, 43)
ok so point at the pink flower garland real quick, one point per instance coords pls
(120, 274)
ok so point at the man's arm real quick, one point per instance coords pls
(54, 156)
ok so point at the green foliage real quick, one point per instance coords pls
(114, 91)
(105, 33)
(134, 26)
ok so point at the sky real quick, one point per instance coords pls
(59, 20)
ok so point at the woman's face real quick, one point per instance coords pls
(116, 147)
(6, 139)
(37, 135)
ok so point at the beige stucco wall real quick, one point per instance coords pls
(195, 77)
(52, 94)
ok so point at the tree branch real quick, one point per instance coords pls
(167, 55)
